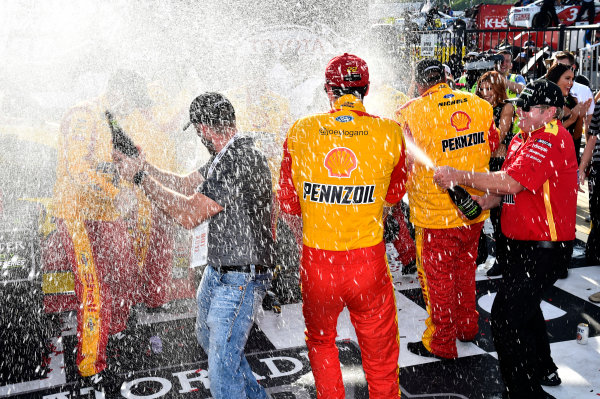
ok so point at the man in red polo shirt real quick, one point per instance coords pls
(538, 191)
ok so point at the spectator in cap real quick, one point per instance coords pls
(339, 170)
(228, 204)
(537, 188)
(446, 241)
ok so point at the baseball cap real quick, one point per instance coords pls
(347, 70)
(211, 109)
(429, 71)
(539, 92)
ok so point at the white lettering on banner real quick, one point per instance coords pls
(97, 394)
(166, 387)
(428, 43)
(495, 23)
(185, 381)
(12, 246)
(289, 46)
(275, 372)
(60, 395)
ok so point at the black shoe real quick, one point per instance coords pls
(494, 271)
(411, 268)
(550, 380)
(564, 274)
(505, 395)
(271, 302)
(419, 349)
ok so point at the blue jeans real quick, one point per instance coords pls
(227, 306)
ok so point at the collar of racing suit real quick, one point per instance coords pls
(436, 88)
(348, 101)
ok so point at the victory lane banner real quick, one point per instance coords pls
(285, 374)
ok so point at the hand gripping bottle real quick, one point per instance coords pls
(467, 205)
(120, 140)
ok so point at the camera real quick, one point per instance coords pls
(482, 64)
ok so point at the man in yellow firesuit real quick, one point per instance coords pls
(89, 204)
(339, 170)
(453, 128)
(383, 100)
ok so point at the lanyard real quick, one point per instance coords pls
(199, 250)
(217, 159)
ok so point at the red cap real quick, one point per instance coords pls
(347, 70)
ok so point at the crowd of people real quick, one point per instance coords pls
(343, 173)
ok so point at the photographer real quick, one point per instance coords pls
(476, 65)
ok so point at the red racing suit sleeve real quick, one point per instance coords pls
(494, 137)
(397, 187)
(286, 193)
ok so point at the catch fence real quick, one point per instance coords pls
(530, 47)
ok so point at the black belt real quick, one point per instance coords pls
(539, 244)
(552, 244)
(258, 269)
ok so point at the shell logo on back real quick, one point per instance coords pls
(340, 162)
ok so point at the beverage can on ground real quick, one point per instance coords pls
(583, 331)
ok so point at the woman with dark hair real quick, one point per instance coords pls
(573, 112)
(491, 86)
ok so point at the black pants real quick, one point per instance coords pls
(577, 145)
(592, 247)
(518, 325)
(552, 12)
(591, 10)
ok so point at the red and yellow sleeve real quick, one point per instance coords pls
(493, 137)
(286, 194)
(397, 187)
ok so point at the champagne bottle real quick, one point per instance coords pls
(467, 205)
(120, 140)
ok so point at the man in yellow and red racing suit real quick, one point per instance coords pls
(384, 101)
(339, 170)
(89, 202)
(453, 128)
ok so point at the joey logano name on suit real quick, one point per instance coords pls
(338, 194)
(467, 140)
(342, 132)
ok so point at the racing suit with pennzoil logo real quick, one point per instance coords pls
(339, 169)
(458, 131)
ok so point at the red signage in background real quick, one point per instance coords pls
(492, 16)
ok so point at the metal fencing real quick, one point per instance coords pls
(530, 47)
(588, 60)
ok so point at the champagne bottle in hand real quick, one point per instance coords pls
(467, 205)
(120, 140)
